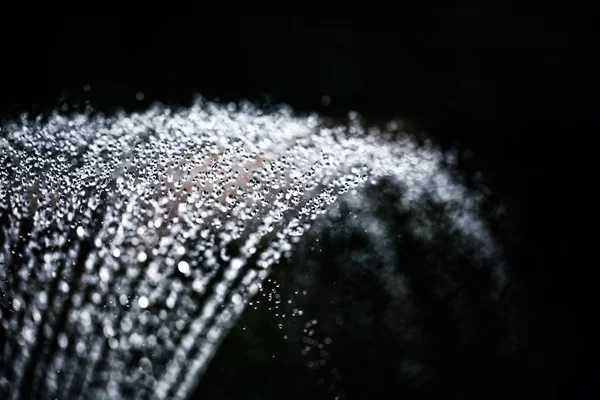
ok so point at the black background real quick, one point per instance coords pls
(509, 82)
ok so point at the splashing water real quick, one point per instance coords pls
(130, 244)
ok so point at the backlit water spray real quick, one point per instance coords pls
(130, 244)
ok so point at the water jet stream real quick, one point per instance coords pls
(130, 244)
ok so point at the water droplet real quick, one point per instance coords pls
(80, 231)
(104, 274)
(183, 267)
(143, 302)
(141, 256)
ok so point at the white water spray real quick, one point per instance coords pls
(130, 244)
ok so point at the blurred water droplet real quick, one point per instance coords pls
(143, 302)
(183, 267)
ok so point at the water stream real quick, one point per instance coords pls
(131, 243)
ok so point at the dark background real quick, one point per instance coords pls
(511, 83)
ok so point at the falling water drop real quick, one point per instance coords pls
(183, 267)
(143, 302)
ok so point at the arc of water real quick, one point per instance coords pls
(118, 234)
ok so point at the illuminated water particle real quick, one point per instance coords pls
(197, 285)
(143, 302)
(183, 267)
(141, 256)
(104, 274)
